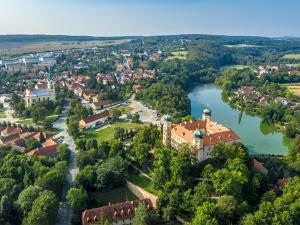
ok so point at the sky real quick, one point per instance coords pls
(271, 18)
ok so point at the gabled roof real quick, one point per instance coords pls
(44, 151)
(102, 103)
(96, 117)
(114, 212)
(9, 138)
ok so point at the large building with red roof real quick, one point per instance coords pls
(201, 135)
(118, 214)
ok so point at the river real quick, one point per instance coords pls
(258, 137)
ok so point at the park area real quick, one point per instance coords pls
(107, 133)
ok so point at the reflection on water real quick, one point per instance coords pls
(260, 138)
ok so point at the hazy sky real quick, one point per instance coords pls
(150, 17)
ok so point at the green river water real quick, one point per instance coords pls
(258, 137)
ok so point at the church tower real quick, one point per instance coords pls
(206, 116)
(167, 126)
(198, 139)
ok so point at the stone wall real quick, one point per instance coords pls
(141, 193)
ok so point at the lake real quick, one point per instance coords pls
(258, 137)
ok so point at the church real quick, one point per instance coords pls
(40, 94)
(201, 135)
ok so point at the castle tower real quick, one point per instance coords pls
(167, 126)
(198, 139)
(206, 116)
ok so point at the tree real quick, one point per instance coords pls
(77, 198)
(52, 181)
(135, 118)
(205, 215)
(62, 152)
(73, 127)
(32, 144)
(115, 113)
(5, 206)
(141, 216)
(27, 197)
(44, 210)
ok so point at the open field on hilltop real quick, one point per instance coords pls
(294, 88)
(238, 67)
(10, 49)
(107, 134)
(292, 56)
(178, 55)
(242, 46)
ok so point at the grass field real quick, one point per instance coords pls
(241, 46)
(121, 194)
(142, 181)
(178, 55)
(238, 67)
(292, 56)
(294, 88)
(24, 48)
(107, 134)
(2, 113)
(29, 121)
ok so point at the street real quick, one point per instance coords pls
(65, 211)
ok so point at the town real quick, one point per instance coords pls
(149, 113)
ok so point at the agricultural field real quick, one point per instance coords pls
(182, 55)
(242, 46)
(294, 88)
(10, 49)
(292, 56)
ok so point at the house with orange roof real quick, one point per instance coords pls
(49, 148)
(200, 135)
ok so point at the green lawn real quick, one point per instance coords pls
(107, 134)
(116, 195)
(2, 113)
(292, 56)
(142, 181)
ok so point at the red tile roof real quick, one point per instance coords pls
(114, 212)
(214, 133)
(44, 151)
(96, 117)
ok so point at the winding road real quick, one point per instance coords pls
(65, 210)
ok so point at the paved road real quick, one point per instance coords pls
(65, 211)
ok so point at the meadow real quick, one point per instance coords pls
(292, 56)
